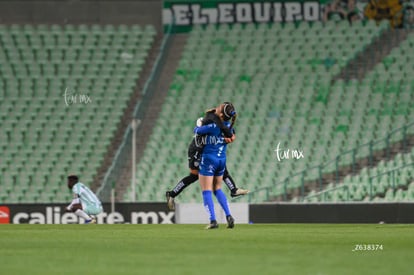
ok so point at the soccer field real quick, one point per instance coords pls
(189, 249)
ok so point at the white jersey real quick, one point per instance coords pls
(86, 196)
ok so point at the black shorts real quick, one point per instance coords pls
(194, 155)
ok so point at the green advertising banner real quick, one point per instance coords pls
(188, 13)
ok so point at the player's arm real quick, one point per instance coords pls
(205, 129)
(230, 139)
(212, 117)
(75, 204)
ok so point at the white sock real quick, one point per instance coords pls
(82, 214)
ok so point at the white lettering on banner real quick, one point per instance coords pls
(110, 218)
(144, 217)
(38, 218)
(199, 17)
(226, 13)
(311, 11)
(181, 13)
(56, 215)
(166, 217)
(52, 215)
(152, 217)
(277, 15)
(68, 218)
(115, 218)
(213, 15)
(293, 12)
(20, 216)
(244, 13)
(259, 12)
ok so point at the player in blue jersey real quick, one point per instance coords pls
(195, 150)
(85, 203)
(213, 163)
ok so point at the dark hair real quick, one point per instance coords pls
(73, 177)
(228, 111)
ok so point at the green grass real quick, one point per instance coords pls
(189, 249)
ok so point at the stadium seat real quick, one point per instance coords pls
(41, 134)
(270, 74)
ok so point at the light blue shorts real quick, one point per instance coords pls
(92, 209)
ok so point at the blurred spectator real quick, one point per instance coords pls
(379, 10)
(340, 10)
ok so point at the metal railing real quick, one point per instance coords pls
(124, 150)
(350, 159)
(326, 192)
(392, 175)
(390, 181)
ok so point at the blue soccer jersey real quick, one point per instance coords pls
(213, 159)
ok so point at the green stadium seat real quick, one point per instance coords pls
(47, 59)
(282, 76)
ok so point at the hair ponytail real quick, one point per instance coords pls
(229, 112)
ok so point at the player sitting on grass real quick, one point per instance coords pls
(195, 150)
(84, 203)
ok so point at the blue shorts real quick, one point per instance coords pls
(212, 166)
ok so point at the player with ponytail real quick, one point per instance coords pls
(195, 150)
(213, 164)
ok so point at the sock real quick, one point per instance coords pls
(209, 204)
(221, 197)
(183, 184)
(82, 214)
(228, 180)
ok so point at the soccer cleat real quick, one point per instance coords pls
(170, 201)
(239, 192)
(230, 221)
(91, 221)
(212, 225)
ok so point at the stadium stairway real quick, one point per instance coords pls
(126, 118)
(151, 113)
(373, 54)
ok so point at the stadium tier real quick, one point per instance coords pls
(388, 181)
(283, 80)
(63, 90)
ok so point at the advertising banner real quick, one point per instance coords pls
(194, 213)
(134, 213)
(188, 13)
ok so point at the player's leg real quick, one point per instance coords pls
(221, 198)
(184, 183)
(181, 185)
(206, 178)
(206, 183)
(77, 208)
(93, 210)
(234, 191)
(193, 164)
